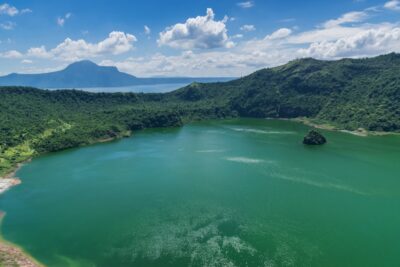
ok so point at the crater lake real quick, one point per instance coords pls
(240, 192)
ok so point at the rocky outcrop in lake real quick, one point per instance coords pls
(314, 138)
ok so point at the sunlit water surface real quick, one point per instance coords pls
(221, 193)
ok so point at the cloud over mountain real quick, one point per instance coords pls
(365, 43)
(71, 50)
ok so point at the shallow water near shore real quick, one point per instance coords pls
(238, 192)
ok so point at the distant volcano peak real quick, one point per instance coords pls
(85, 74)
(87, 65)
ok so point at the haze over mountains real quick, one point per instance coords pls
(86, 74)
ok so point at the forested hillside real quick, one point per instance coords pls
(34, 121)
(349, 93)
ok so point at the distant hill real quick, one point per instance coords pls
(86, 74)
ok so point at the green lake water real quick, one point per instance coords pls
(220, 193)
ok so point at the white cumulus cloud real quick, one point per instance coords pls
(39, 52)
(246, 4)
(61, 20)
(7, 25)
(70, 50)
(9, 10)
(279, 34)
(11, 54)
(26, 10)
(116, 43)
(393, 5)
(367, 42)
(350, 17)
(147, 30)
(248, 28)
(202, 32)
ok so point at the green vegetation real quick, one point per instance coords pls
(349, 93)
(34, 121)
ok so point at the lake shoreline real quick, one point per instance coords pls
(13, 255)
(9, 180)
(361, 132)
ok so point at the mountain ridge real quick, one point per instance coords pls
(351, 93)
(87, 74)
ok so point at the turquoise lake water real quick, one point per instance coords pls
(221, 193)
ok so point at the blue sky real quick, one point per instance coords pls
(192, 38)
